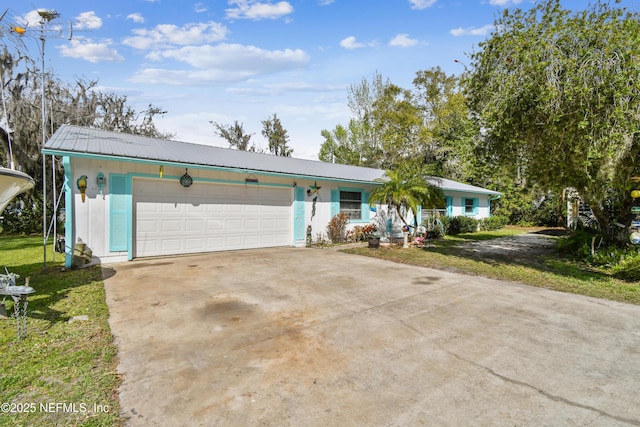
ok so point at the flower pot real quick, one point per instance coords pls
(374, 242)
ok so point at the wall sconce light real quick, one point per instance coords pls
(81, 183)
(161, 171)
(251, 179)
(101, 181)
(295, 184)
(186, 180)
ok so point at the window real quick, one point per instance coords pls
(351, 204)
(470, 206)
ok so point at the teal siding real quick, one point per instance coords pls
(118, 237)
(298, 214)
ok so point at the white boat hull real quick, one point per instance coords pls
(12, 183)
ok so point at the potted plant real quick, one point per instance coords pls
(374, 241)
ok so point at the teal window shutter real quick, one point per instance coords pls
(335, 202)
(118, 213)
(419, 216)
(476, 204)
(298, 214)
(449, 201)
(366, 210)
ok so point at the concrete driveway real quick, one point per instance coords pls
(310, 337)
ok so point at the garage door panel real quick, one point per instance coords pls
(171, 245)
(215, 243)
(233, 225)
(147, 226)
(194, 225)
(208, 217)
(170, 225)
(195, 244)
(197, 209)
(215, 225)
(252, 225)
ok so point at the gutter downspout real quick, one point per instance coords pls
(492, 199)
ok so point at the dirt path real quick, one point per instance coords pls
(519, 246)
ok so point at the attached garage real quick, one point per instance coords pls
(169, 219)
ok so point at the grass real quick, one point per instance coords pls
(64, 372)
(551, 271)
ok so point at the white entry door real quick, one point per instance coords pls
(172, 220)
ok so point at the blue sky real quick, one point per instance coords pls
(247, 59)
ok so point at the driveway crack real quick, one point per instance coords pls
(546, 393)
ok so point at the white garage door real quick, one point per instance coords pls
(170, 219)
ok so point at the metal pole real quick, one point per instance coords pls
(44, 163)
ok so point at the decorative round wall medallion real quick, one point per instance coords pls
(186, 180)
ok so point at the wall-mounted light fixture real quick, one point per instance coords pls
(161, 171)
(101, 181)
(186, 180)
(81, 183)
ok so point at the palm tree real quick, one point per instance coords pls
(406, 188)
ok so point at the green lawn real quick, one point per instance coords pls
(552, 271)
(64, 372)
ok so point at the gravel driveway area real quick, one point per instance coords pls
(534, 243)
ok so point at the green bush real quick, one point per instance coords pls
(435, 228)
(23, 220)
(589, 247)
(460, 224)
(494, 223)
(578, 244)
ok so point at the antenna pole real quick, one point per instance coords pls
(44, 137)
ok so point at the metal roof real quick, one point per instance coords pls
(451, 185)
(77, 141)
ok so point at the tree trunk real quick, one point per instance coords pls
(611, 227)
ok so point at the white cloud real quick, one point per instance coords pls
(221, 63)
(82, 48)
(503, 2)
(256, 10)
(238, 57)
(325, 2)
(351, 43)
(200, 8)
(87, 21)
(472, 31)
(169, 34)
(185, 77)
(136, 17)
(422, 4)
(403, 40)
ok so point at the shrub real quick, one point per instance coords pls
(495, 222)
(434, 228)
(460, 224)
(360, 233)
(337, 228)
(23, 220)
(589, 247)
